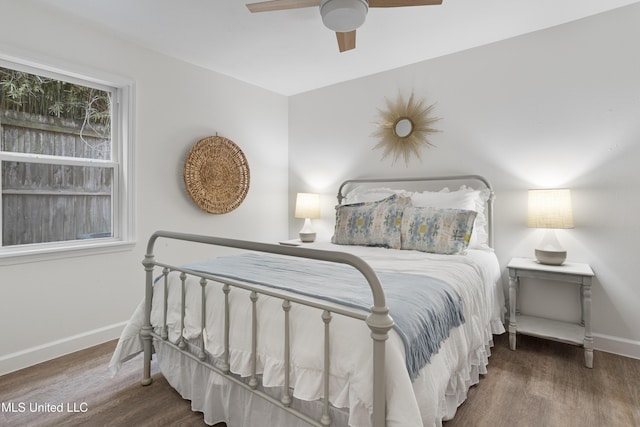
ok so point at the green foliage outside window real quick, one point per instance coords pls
(30, 93)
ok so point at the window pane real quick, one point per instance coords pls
(61, 170)
(41, 115)
(48, 203)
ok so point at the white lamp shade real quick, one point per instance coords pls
(307, 205)
(550, 209)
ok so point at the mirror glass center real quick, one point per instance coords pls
(403, 127)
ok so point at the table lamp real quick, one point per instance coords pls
(307, 207)
(550, 209)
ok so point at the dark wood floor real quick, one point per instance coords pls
(545, 383)
(83, 378)
(541, 384)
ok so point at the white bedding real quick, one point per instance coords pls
(434, 395)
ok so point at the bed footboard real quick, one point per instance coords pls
(378, 320)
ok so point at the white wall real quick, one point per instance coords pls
(53, 307)
(559, 107)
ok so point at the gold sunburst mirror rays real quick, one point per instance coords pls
(404, 128)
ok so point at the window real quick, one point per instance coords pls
(64, 157)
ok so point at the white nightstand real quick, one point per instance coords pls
(292, 242)
(572, 333)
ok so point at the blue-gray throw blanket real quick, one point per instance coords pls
(423, 308)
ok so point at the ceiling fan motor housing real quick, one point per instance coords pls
(343, 16)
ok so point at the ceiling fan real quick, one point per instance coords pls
(341, 16)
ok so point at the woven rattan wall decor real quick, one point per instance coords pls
(216, 174)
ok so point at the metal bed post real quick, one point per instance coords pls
(253, 380)
(379, 323)
(182, 344)
(226, 365)
(326, 318)
(202, 355)
(286, 395)
(165, 330)
(147, 329)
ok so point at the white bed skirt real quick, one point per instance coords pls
(221, 400)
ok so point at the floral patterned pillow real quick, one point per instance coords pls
(435, 230)
(370, 224)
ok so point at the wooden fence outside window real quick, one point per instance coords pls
(44, 202)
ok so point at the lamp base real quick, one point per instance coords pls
(307, 233)
(307, 237)
(550, 257)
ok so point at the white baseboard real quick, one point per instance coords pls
(617, 345)
(41, 353)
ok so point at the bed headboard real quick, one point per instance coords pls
(430, 183)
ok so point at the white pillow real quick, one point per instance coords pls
(464, 198)
(367, 195)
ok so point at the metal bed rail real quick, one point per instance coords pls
(378, 320)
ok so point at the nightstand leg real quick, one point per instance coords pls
(588, 337)
(513, 283)
(512, 340)
(582, 304)
(588, 357)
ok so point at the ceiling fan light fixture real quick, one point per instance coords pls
(343, 16)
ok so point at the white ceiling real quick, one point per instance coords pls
(290, 52)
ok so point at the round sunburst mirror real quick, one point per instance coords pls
(404, 128)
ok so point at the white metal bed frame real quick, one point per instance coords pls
(378, 320)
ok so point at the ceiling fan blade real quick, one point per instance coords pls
(402, 3)
(269, 6)
(346, 41)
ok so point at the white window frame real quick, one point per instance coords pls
(121, 163)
